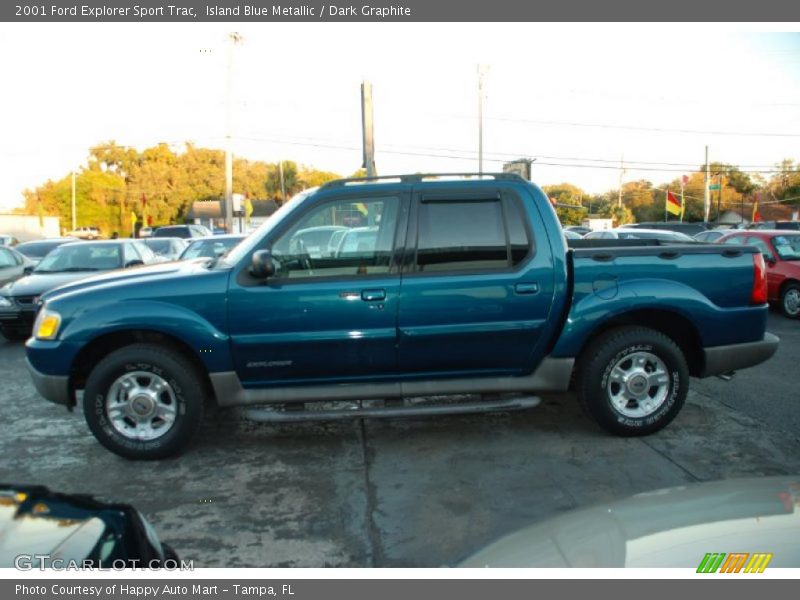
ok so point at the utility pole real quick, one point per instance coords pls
(482, 70)
(621, 173)
(707, 194)
(283, 183)
(367, 129)
(74, 216)
(227, 212)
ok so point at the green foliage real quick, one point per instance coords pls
(570, 199)
(159, 183)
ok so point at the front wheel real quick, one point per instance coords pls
(790, 301)
(144, 402)
(632, 381)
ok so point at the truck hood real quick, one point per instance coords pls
(125, 275)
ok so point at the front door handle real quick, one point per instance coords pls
(373, 295)
(526, 288)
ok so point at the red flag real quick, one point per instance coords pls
(673, 204)
(144, 200)
(756, 215)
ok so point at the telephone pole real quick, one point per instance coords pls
(367, 129)
(234, 38)
(707, 193)
(482, 70)
(621, 173)
(74, 216)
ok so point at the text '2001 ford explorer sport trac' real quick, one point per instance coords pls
(452, 286)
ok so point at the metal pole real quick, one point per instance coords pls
(74, 216)
(621, 173)
(234, 38)
(481, 73)
(707, 195)
(283, 184)
(367, 129)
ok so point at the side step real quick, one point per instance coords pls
(292, 415)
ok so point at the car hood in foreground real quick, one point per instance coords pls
(124, 275)
(36, 284)
(675, 527)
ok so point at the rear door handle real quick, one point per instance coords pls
(373, 295)
(526, 288)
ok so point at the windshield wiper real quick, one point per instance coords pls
(75, 270)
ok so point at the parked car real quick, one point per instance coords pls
(166, 247)
(39, 528)
(684, 227)
(84, 233)
(357, 241)
(781, 251)
(8, 240)
(712, 235)
(788, 225)
(212, 247)
(669, 528)
(36, 250)
(13, 265)
(579, 229)
(182, 231)
(146, 232)
(571, 234)
(628, 233)
(493, 302)
(66, 263)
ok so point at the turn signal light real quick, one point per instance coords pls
(759, 293)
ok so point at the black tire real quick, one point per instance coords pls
(173, 368)
(789, 301)
(15, 334)
(595, 382)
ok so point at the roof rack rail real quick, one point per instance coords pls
(418, 178)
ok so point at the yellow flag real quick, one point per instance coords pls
(133, 218)
(248, 210)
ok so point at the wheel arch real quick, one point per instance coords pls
(672, 324)
(101, 346)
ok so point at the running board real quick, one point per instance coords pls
(269, 415)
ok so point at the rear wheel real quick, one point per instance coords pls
(632, 381)
(144, 402)
(790, 300)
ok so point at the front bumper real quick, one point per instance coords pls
(52, 387)
(17, 318)
(724, 359)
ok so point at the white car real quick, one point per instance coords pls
(84, 233)
(639, 233)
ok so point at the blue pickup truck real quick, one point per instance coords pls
(463, 286)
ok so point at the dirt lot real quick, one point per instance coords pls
(405, 492)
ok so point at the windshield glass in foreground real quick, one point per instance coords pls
(787, 246)
(81, 257)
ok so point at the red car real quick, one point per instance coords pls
(781, 250)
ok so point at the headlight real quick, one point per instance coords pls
(5, 302)
(46, 325)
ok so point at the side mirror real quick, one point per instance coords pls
(262, 266)
(27, 270)
(133, 263)
(770, 260)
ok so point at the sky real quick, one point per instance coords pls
(578, 98)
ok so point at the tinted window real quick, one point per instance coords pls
(461, 235)
(162, 246)
(365, 247)
(518, 239)
(787, 246)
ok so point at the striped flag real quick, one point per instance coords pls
(673, 205)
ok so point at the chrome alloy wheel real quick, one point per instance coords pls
(791, 302)
(638, 385)
(141, 405)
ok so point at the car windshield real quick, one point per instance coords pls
(37, 249)
(209, 248)
(667, 236)
(787, 246)
(81, 257)
(162, 246)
